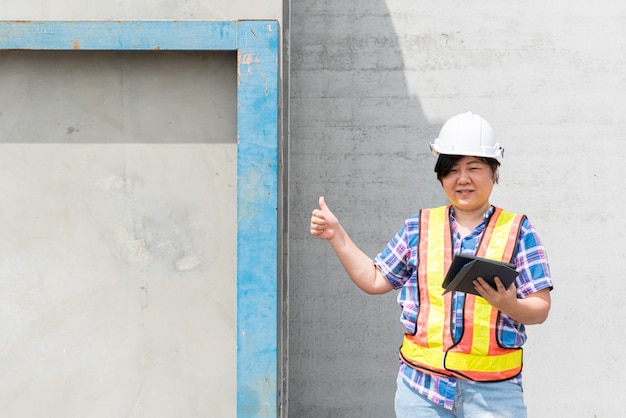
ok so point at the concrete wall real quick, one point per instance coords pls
(115, 301)
(371, 83)
(119, 248)
(142, 10)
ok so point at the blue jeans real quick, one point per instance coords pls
(471, 400)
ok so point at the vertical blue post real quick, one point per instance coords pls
(257, 219)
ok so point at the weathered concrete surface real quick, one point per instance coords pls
(371, 82)
(141, 10)
(118, 251)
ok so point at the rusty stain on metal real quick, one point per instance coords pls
(249, 59)
(238, 67)
(246, 59)
(75, 44)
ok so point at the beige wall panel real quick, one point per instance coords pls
(140, 9)
(118, 256)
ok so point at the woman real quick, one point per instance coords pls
(461, 354)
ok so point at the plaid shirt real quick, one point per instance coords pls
(398, 263)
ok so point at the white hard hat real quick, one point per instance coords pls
(467, 134)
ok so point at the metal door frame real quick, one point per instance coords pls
(257, 46)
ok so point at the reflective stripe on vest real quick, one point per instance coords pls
(478, 355)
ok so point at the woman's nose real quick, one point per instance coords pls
(463, 176)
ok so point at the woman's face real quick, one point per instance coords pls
(468, 185)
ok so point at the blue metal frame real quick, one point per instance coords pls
(257, 46)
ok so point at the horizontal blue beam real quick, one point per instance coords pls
(119, 35)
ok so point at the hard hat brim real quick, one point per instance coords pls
(496, 151)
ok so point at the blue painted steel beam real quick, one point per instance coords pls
(119, 35)
(257, 45)
(257, 206)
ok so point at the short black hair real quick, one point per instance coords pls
(445, 162)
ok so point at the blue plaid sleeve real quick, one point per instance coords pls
(398, 260)
(532, 263)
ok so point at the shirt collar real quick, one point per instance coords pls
(486, 215)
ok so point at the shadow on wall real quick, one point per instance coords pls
(139, 97)
(359, 139)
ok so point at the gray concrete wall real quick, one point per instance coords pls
(141, 10)
(118, 255)
(371, 83)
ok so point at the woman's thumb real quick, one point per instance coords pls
(322, 203)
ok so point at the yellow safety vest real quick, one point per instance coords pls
(478, 355)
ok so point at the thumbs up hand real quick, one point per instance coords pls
(324, 224)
